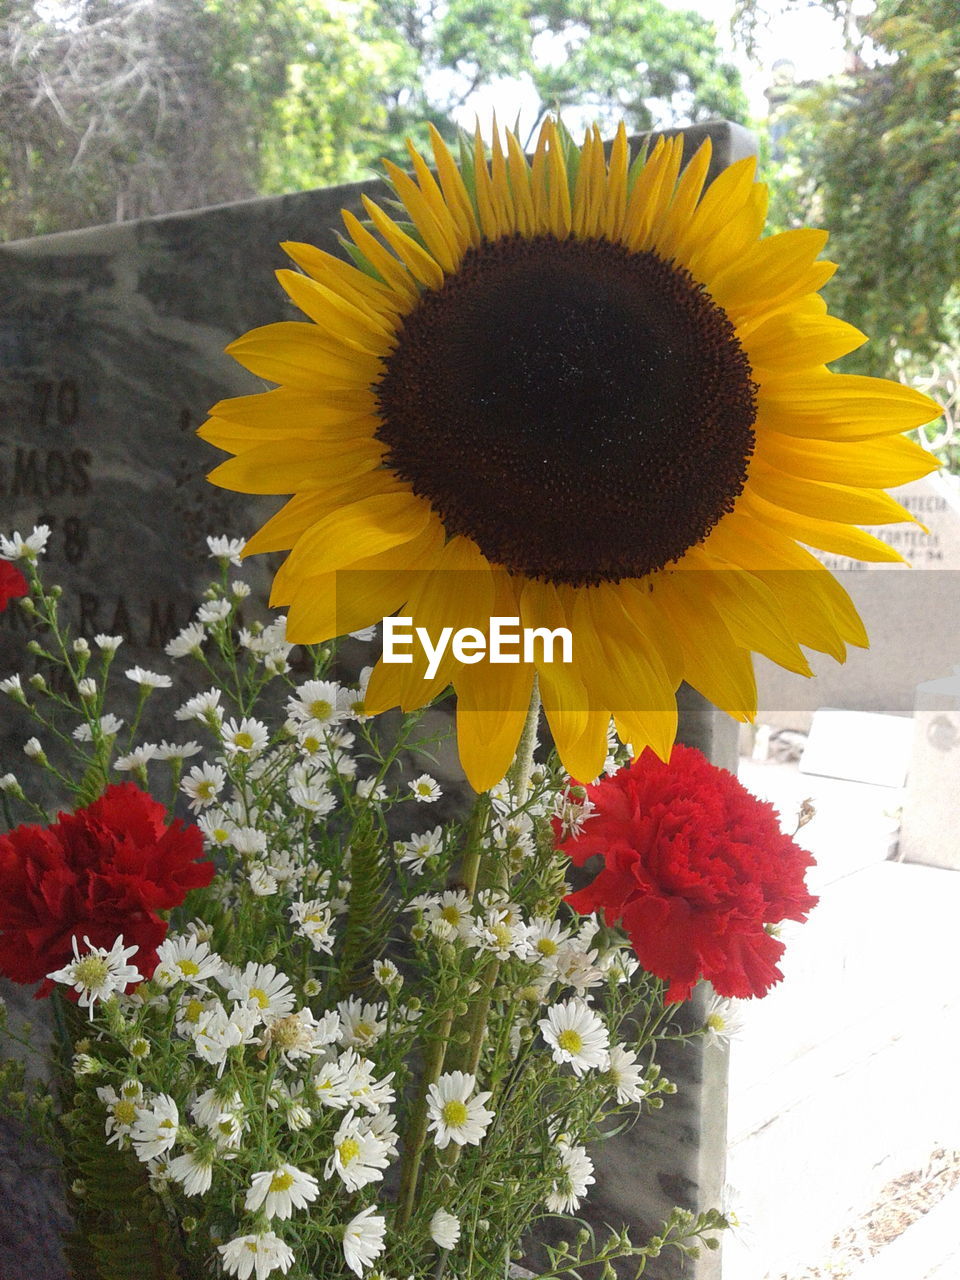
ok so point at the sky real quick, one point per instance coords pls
(809, 38)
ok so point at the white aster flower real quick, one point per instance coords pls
(217, 1033)
(723, 1020)
(387, 974)
(546, 937)
(352, 698)
(317, 701)
(121, 1109)
(359, 1157)
(362, 1024)
(216, 827)
(12, 685)
(177, 750)
(261, 882)
(224, 548)
(185, 959)
(155, 1129)
(281, 1190)
(262, 988)
(314, 921)
(99, 973)
(204, 707)
(301, 1035)
(425, 789)
(574, 966)
(256, 1255)
(576, 1035)
(214, 611)
(148, 679)
(454, 1115)
(33, 748)
(10, 785)
(359, 1084)
(576, 1174)
(363, 1238)
(501, 933)
(108, 644)
(194, 1171)
(444, 1229)
(247, 737)
(138, 758)
(203, 785)
(626, 1075)
(240, 589)
(448, 915)
(370, 789)
(109, 725)
(308, 791)
(188, 640)
(19, 548)
(415, 851)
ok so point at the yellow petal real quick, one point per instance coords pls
(874, 464)
(300, 356)
(432, 221)
(383, 262)
(336, 316)
(454, 189)
(824, 501)
(304, 509)
(842, 406)
(356, 286)
(826, 535)
(292, 464)
(357, 530)
(492, 704)
(418, 262)
(669, 232)
(791, 341)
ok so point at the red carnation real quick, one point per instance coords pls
(12, 584)
(105, 870)
(695, 867)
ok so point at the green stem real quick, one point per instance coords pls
(519, 772)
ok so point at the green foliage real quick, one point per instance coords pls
(874, 156)
(114, 109)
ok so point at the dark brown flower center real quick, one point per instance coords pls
(582, 412)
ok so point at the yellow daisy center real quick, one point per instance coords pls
(348, 1150)
(261, 997)
(91, 971)
(320, 709)
(452, 915)
(124, 1112)
(454, 1113)
(569, 1040)
(243, 740)
(547, 947)
(583, 412)
(281, 1181)
(189, 968)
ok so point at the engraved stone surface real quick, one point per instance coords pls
(111, 352)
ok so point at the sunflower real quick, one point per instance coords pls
(581, 391)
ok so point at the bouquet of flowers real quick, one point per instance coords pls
(303, 1026)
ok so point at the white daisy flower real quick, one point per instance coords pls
(214, 611)
(448, 915)
(330, 1087)
(546, 937)
(425, 789)
(572, 811)
(224, 548)
(217, 1033)
(314, 921)
(177, 750)
(573, 966)
(415, 851)
(501, 933)
(203, 784)
(362, 1024)
(279, 1191)
(363, 1238)
(216, 827)
(155, 1129)
(262, 988)
(148, 679)
(576, 1174)
(454, 1115)
(444, 1229)
(261, 881)
(138, 758)
(370, 789)
(246, 737)
(361, 1086)
(108, 644)
(19, 548)
(194, 1171)
(300, 1035)
(626, 1075)
(359, 1157)
(99, 973)
(12, 685)
(387, 974)
(352, 699)
(121, 1110)
(185, 959)
(204, 707)
(248, 840)
(189, 640)
(310, 792)
(256, 1256)
(209, 1107)
(317, 701)
(576, 1035)
(110, 726)
(724, 1019)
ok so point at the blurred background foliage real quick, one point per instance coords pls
(118, 109)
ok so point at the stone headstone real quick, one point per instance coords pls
(111, 353)
(930, 830)
(912, 617)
